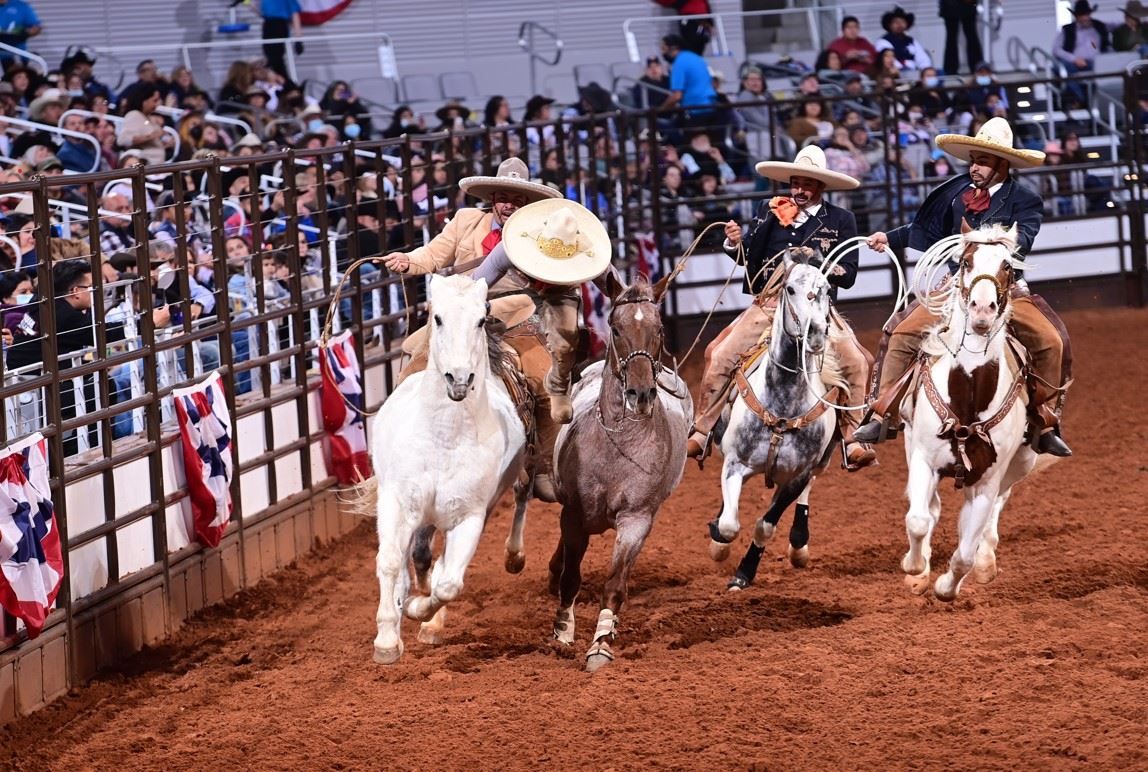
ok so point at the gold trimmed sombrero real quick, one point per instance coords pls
(512, 176)
(995, 139)
(557, 241)
(810, 162)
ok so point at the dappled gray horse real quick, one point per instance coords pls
(619, 459)
(781, 424)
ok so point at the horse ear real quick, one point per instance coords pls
(661, 287)
(965, 227)
(613, 283)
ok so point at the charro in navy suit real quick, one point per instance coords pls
(1034, 323)
(803, 220)
(822, 230)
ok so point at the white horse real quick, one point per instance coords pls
(447, 444)
(780, 424)
(966, 418)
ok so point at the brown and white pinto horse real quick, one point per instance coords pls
(966, 418)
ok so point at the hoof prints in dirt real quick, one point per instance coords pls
(471, 658)
(729, 617)
(1078, 583)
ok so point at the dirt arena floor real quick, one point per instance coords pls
(836, 666)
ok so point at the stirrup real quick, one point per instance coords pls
(699, 451)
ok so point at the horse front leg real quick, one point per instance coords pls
(985, 563)
(798, 551)
(574, 543)
(974, 517)
(459, 545)
(630, 535)
(724, 529)
(924, 510)
(430, 632)
(515, 559)
(787, 493)
(395, 534)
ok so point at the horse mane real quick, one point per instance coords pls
(639, 291)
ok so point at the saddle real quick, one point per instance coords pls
(958, 433)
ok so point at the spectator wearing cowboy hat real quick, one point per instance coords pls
(453, 115)
(910, 54)
(987, 194)
(1077, 46)
(48, 107)
(81, 63)
(800, 220)
(1129, 36)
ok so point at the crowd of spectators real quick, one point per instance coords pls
(873, 105)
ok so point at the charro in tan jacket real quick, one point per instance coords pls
(458, 243)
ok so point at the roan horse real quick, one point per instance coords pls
(966, 418)
(781, 424)
(619, 459)
(447, 444)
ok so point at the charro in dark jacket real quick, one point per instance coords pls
(822, 231)
(940, 215)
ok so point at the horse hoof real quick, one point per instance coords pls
(799, 558)
(515, 563)
(429, 637)
(387, 656)
(738, 583)
(599, 654)
(917, 583)
(718, 551)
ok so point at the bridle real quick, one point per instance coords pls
(619, 365)
(785, 308)
(1001, 287)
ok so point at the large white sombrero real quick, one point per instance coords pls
(557, 241)
(995, 139)
(810, 162)
(512, 176)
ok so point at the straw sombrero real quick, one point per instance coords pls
(810, 162)
(995, 139)
(512, 176)
(557, 241)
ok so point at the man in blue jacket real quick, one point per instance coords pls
(985, 195)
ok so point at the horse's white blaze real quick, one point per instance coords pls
(926, 453)
(441, 461)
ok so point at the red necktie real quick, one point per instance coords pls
(976, 199)
(492, 240)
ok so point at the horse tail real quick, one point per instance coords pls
(360, 499)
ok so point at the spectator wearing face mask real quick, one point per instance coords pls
(928, 95)
(403, 122)
(339, 102)
(974, 99)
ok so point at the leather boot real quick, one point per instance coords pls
(858, 455)
(544, 487)
(870, 432)
(1051, 443)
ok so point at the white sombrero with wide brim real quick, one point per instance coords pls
(995, 139)
(557, 241)
(512, 176)
(810, 162)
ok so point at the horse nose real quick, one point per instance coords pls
(641, 400)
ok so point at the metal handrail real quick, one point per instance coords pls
(526, 43)
(176, 113)
(31, 57)
(720, 41)
(55, 131)
(1019, 54)
(117, 121)
(1052, 65)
